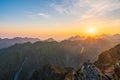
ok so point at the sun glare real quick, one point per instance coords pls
(91, 30)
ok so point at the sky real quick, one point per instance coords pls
(58, 18)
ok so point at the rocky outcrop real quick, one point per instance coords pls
(109, 62)
(108, 58)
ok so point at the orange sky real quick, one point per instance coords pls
(58, 19)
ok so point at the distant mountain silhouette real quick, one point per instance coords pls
(50, 40)
(75, 38)
(8, 42)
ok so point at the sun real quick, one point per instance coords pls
(91, 30)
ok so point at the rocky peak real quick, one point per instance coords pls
(50, 40)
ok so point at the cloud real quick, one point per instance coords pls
(43, 15)
(86, 8)
(38, 15)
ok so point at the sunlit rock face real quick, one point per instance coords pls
(108, 58)
(109, 62)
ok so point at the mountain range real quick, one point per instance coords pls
(22, 57)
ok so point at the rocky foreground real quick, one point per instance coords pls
(53, 72)
(107, 67)
(87, 71)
